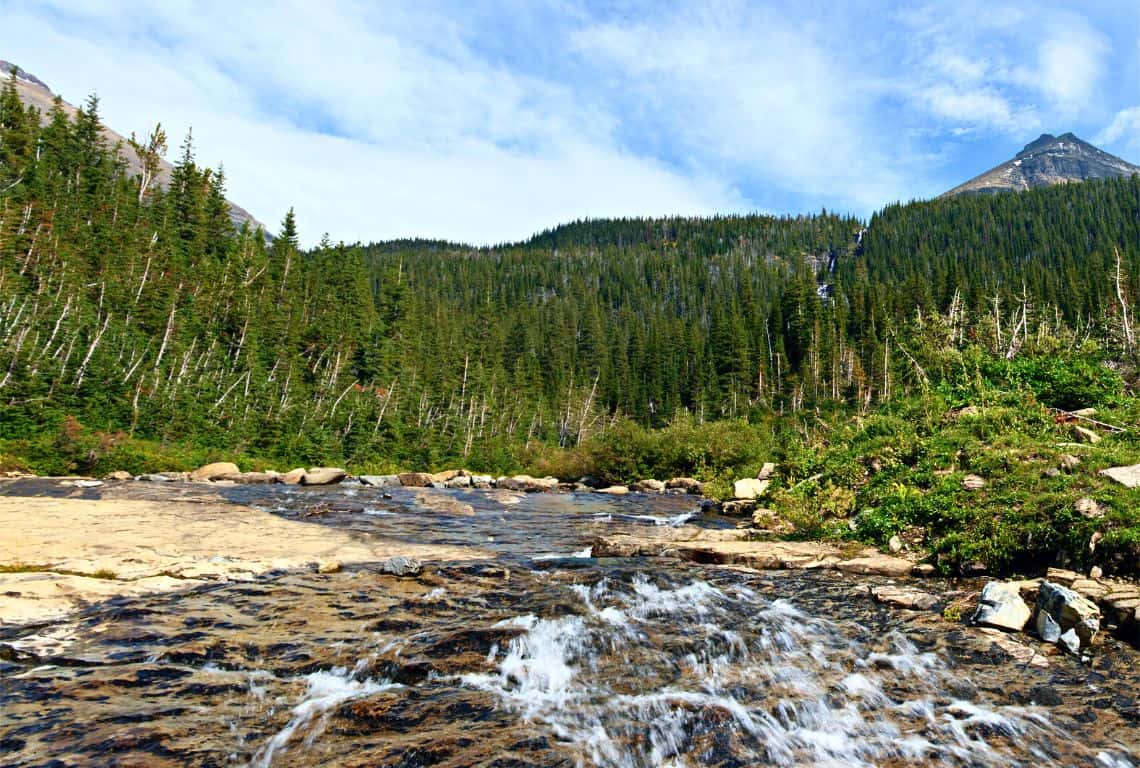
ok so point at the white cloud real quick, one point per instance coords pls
(1071, 64)
(1124, 129)
(371, 127)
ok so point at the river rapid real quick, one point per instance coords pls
(540, 656)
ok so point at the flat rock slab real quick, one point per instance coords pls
(151, 546)
(1127, 476)
(731, 547)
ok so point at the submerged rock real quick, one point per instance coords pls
(1000, 605)
(904, 597)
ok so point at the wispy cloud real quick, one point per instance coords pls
(485, 122)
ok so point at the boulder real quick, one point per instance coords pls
(614, 490)
(527, 483)
(767, 471)
(1127, 476)
(446, 475)
(252, 478)
(215, 471)
(323, 476)
(895, 545)
(379, 481)
(459, 481)
(156, 478)
(738, 507)
(685, 484)
(292, 477)
(481, 481)
(401, 566)
(1069, 610)
(648, 486)
(415, 479)
(328, 566)
(1070, 641)
(1000, 605)
(749, 488)
(119, 474)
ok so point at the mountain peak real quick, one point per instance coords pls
(1047, 160)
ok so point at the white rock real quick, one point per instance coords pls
(749, 488)
(1001, 606)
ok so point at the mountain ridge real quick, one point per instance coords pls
(1045, 161)
(35, 92)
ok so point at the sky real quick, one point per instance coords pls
(484, 122)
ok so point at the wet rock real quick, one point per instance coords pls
(749, 488)
(415, 479)
(767, 471)
(119, 474)
(973, 483)
(82, 483)
(648, 485)
(614, 490)
(876, 565)
(1000, 605)
(215, 471)
(323, 476)
(292, 477)
(1128, 476)
(1047, 629)
(1044, 696)
(904, 597)
(1018, 651)
(401, 566)
(686, 484)
(1071, 611)
(528, 484)
(380, 481)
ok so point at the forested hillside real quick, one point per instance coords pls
(137, 311)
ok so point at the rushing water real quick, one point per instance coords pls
(542, 656)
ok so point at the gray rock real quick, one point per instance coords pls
(481, 481)
(648, 485)
(156, 478)
(1001, 606)
(895, 544)
(460, 481)
(380, 481)
(528, 484)
(683, 484)
(119, 474)
(1069, 610)
(401, 566)
(1047, 629)
(1127, 476)
(1070, 641)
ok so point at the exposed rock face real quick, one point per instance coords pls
(292, 477)
(1048, 160)
(1001, 606)
(215, 471)
(749, 488)
(323, 476)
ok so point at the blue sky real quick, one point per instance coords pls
(487, 121)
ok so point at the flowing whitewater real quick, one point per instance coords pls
(542, 655)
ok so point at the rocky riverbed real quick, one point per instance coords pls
(286, 640)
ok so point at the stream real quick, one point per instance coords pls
(540, 656)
